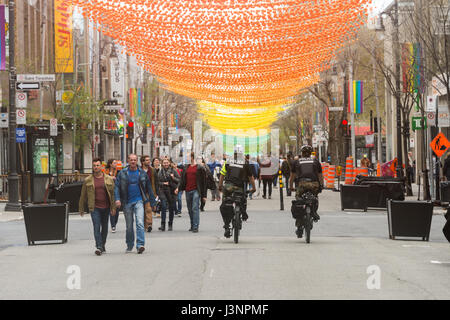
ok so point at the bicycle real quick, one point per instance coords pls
(236, 223)
(306, 206)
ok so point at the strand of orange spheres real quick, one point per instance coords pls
(219, 55)
(160, 62)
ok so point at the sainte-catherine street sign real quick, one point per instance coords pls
(35, 77)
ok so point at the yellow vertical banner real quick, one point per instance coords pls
(63, 36)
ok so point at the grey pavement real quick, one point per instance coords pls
(268, 263)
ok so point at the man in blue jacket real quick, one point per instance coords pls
(132, 190)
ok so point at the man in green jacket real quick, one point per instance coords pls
(98, 193)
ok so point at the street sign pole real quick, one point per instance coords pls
(352, 113)
(13, 178)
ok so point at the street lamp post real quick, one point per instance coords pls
(396, 49)
(13, 178)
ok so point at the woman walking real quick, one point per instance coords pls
(179, 205)
(193, 181)
(111, 170)
(168, 190)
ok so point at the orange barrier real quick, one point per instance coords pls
(331, 175)
(349, 171)
(325, 167)
(378, 169)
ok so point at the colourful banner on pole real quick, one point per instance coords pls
(63, 36)
(3, 32)
(139, 101)
(357, 92)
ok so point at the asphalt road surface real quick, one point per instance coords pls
(350, 257)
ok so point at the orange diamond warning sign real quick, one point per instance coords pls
(440, 144)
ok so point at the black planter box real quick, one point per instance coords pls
(409, 219)
(383, 188)
(69, 192)
(445, 191)
(354, 197)
(46, 222)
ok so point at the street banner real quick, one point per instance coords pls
(443, 117)
(63, 36)
(117, 81)
(4, 31)
(356, 89)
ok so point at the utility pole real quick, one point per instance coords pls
(396, 43)
(44, 31)
(352, 113)
(13, 178)
(377, 101)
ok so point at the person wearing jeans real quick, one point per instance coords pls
(111, 170)
(193, 182)
(98, 194)
(132, 189)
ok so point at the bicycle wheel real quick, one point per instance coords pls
(308, 224)
(237, 219)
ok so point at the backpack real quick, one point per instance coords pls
(210, 183)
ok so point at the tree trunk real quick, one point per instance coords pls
(409, 192)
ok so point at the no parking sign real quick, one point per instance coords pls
(21, 115)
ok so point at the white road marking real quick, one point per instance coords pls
(415, 246)
(439, 262)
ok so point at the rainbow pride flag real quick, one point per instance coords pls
(357, 92)
(3, 25)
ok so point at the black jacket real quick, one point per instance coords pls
(201, 181)
(446, 169)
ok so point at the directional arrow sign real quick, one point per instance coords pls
(27, 85)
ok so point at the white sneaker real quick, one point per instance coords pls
(129, 250)
(98, 252)
(113, 230)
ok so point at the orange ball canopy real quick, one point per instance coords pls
(231, 52)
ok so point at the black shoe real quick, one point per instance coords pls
(227, 233)
(195, 230)
(299, 233)
(149, 229)
(264, 197)
(140, 250)
(315, 216)
(170, 227)
(163, 227)
(103, 250)
(98, 252)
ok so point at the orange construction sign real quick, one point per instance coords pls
(440, 144)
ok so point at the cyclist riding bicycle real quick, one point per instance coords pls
(307, 172)
(235, 174)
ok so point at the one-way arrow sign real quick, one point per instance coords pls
(27, 85)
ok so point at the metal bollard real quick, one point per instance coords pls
(280, 176)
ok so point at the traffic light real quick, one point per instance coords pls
(130, 130)
(345, 127)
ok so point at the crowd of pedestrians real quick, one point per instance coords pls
(153, 189)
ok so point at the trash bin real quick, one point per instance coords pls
(410, 219)
(46, 222)
(354, 197)
(69, 192)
